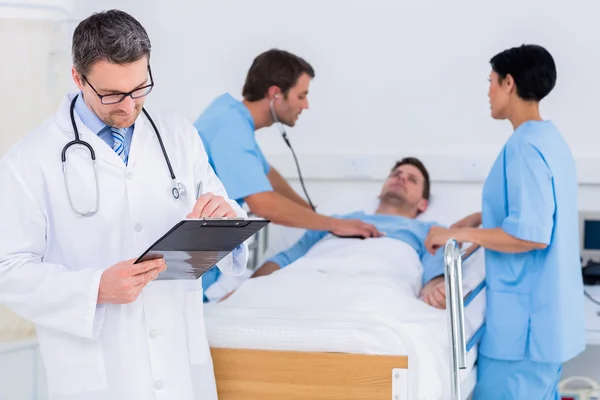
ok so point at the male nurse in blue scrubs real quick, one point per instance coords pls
(535, 308)
(277, 83)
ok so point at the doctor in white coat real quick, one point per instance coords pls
(107, 329)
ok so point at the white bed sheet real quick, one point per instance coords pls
(339, 298)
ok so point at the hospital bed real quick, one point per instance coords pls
(272, 353)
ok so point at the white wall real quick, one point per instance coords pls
(34, 70)
(34, 73)
(393, 78)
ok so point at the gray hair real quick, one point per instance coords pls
(113, 36)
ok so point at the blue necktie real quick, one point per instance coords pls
(119, 143)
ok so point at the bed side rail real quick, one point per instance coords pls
(258, 244)
(476, 337)
(456, 304)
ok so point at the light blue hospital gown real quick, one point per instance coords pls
(409, 230)
(535, 307)
(227, 131)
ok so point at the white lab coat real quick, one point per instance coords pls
(51, 260)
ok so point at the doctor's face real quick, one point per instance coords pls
(289, 109)
(105, 78)
(499, 95)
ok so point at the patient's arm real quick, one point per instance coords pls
(284, 258)
(266, 269)
(433, 265)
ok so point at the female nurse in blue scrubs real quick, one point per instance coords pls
(535, 310)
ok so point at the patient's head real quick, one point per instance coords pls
(406, 188)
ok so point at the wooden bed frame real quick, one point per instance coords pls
(243, 374)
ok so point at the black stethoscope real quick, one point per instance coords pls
(284, 136)
(178, 190)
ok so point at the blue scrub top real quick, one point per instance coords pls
(227, 131)
(535, 304)
(408, 230)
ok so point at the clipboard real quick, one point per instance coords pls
(193, 246)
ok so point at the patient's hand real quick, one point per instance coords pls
(434, 293)
(226, 296)
(355, 227)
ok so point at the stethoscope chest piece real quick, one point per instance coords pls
(179, 192)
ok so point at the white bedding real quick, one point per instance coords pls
(348, 295)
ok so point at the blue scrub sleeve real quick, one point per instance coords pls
(433, 265)
(238, 162)
(531, 200)
(301, 247)
(263, 160)
(209, 278)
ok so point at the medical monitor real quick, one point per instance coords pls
(589, 234)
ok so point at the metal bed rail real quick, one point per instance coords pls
(456, 304)
(257, 245)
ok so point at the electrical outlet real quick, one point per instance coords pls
(356, 167)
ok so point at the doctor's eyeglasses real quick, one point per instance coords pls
(115, 98)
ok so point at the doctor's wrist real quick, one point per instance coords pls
(330, 223)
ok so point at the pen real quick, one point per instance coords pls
(198, 190)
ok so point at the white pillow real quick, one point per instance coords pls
(445, 210)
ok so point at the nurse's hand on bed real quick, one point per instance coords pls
(355, 228)
(434, 293)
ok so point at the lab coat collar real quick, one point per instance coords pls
(102, 150)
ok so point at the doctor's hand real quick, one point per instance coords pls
(212, 206)
(354, 227)
(123, 282)
(434, 293)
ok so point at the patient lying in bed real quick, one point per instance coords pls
(401, 253)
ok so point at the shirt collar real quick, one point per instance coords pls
(87, 116)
